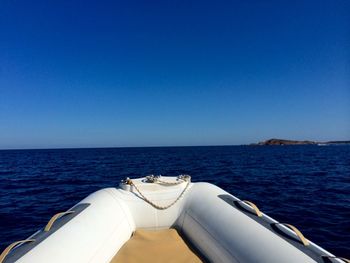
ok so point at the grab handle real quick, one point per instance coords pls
(54, 218)
(333, 257)
(11, 246)
(253, 206)
(297, 232)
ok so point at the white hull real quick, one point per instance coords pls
(207, 215)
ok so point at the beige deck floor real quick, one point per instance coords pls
(155, 246)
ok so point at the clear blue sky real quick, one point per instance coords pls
(142, 73)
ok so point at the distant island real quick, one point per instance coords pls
(294, 142)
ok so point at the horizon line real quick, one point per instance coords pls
(113, 147)
(155, 146)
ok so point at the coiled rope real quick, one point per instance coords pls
(155, 179)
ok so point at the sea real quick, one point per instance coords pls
(307, 186)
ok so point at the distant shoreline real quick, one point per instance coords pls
(280, 142)
(296, 142)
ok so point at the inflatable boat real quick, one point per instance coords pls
(165, 219)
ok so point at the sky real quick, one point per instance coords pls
(172, 73)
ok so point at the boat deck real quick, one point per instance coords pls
(155, 246)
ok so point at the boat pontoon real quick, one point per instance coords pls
(165, 219)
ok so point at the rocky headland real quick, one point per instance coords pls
(295, 142)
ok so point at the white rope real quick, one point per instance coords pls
(182, 179)
(155, 179)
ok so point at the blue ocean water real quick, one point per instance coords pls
(307, 186)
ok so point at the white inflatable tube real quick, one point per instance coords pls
(206, 215)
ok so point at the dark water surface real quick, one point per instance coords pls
(307, 186)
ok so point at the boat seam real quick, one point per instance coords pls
(122, 208)
(205, 229)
